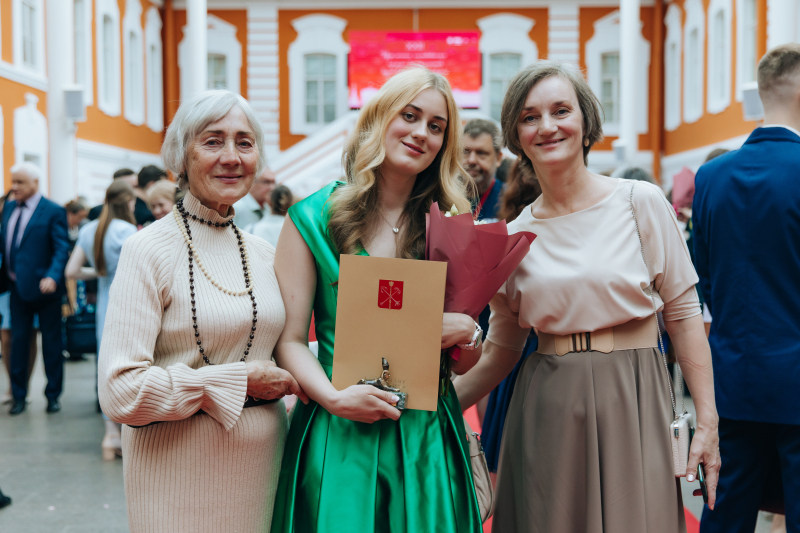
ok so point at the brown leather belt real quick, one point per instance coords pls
(628, 336)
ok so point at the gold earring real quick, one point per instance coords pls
(586, 142)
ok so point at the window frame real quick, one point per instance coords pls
(741, 35)
(111, 103)
(719, 57)
(695, 20)
(133, 63)
(221, 40)
(321, 79)
(673, 74)
(504, 33)
(39, 39)
(85, 54)
(606, 39)
(504, 80)
(154, 82)
(316, 34)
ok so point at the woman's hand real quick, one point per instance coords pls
(457, 328)
(705, 449)
(363, 403)
(268, 382)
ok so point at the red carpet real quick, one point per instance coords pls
(471, 414)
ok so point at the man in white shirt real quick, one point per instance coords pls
(250, 209)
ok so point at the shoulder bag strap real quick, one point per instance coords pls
(658, 328)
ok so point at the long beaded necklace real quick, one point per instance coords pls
(181, 215)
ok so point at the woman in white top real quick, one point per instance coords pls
(269, 227)
(100, 242)
(586, 446)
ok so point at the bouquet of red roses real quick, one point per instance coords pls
(479, 257)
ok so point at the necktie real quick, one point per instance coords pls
(15, 237)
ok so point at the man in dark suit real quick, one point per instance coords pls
(36, 248)
(747, 244)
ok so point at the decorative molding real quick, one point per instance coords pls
(263, 74)
(504, 33)
(30, 137)
(719, 56)
(220, 39)
(134, 92)
(672, 68)
(606, 39)
(16, 19)
(693, 96)
(154, 70)
(395, 4)
(11, 72)
(316, 34)
(108, 95)
(563, 29)
(96, 163)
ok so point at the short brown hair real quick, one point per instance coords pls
(778, 70)
(478, 126)
(521, 85)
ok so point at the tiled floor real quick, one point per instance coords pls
(52, 467)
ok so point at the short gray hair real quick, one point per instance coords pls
(517, 93)
(478, 126)
(29, 169)
(193, 116)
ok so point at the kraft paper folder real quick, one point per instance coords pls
(390, 308)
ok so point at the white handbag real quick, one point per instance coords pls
(480, 474)
(682, 427)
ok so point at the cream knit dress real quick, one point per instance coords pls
(216, 471)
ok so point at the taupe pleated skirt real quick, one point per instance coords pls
(586, 447)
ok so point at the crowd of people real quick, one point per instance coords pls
(206, 287)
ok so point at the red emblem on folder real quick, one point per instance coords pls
(390, 294)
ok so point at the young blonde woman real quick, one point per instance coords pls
(586, 445)
(100, 242)
(352, 462)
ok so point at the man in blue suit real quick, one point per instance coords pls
(746, 216)
(35, 250)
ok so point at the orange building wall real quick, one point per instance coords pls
(712, 128)
(586, 19)
(7, 40)
(117, 131)
(13, 97)
(388, 19)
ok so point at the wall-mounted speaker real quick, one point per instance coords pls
(751, 102)
(74, 107)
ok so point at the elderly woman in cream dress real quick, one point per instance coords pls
(186, 359)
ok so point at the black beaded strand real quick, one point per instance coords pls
(185, 215)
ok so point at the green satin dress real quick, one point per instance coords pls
(412, 475)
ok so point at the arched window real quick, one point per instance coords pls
(672, 68)
(746, 28)
(317, 73)
(134, 62)
(719, 55)
(506, 47)
(154, 76)
(108, 57)
(694, 51)
(224, 59)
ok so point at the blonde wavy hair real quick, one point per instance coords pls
(354, 206)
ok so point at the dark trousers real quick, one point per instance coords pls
(744, 449)
(49, 311)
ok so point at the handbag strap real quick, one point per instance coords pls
(658, 327)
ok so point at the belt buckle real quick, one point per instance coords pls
(600, 341)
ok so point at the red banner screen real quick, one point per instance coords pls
(375, 56)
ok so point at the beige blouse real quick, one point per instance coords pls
(585, 270)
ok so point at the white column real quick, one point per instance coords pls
(197, 25)
(629, 23)
(61, 73)
(262, 72)
(782, 20)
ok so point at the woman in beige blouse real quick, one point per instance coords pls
(586, 446)
(186, 359)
